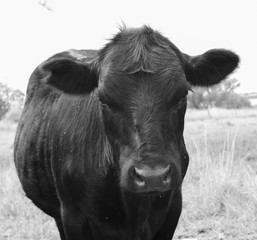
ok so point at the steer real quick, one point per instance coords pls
(99, 146)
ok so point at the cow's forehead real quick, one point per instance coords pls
(143, 49)
(140, 50)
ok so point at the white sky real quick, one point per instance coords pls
(29, 33)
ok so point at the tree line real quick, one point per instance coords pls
(220, 96)
(11, 101)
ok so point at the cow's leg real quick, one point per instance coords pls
(59, 225)
(74, 225)
(171, 221)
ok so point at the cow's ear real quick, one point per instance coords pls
(211, 67)
(69, 76)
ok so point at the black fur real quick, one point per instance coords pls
(92, 117)
(61, 71)
(211, 67)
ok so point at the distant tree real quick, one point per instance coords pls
(17, 96)
(10, 99)
(222, 95)
(10, 95)
(4, 107)
(234, 101)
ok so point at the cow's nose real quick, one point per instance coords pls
(148, 179)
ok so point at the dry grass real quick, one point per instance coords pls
(220, 197)
(219, 191)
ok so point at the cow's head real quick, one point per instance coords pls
(142, 81)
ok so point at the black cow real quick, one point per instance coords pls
(100, 145)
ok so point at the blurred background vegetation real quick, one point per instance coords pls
(221, 96)
(11, 103)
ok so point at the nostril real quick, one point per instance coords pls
(167, 177)
(139, 179)
(167, 170)
(137, 174)
(167, 180)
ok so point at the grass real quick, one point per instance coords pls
(219, 191)
(220, 197)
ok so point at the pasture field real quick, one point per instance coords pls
(219, 190)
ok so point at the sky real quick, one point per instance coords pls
(29, 33)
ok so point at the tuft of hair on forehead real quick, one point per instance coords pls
(137, 50)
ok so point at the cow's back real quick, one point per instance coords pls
(37, 131)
